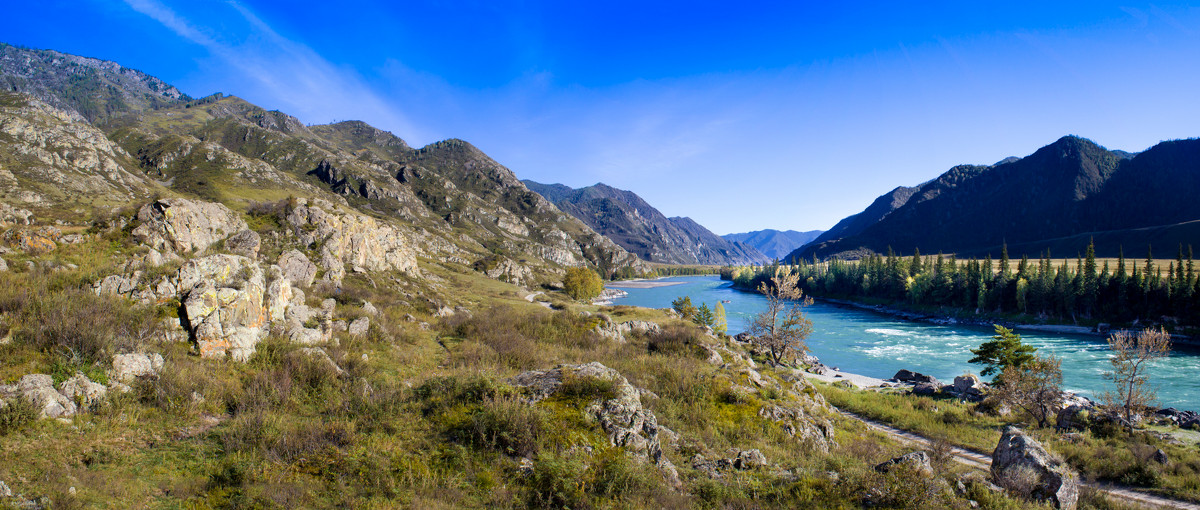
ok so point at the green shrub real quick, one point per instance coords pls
(16, 415)
(506, 424)
(675, 340)
(557, 481)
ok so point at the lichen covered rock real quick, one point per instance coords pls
(183, 225)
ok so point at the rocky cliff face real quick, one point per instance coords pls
(643, 230)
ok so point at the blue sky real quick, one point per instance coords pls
(744, 116)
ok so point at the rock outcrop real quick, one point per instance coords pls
(627, 423)
(182, 225)
(1022, 465)
(223, 305)
(350, 239)
(38, 389)
(739, 460)
(127, 367)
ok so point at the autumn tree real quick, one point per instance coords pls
(781, 329)
(1131, 359)
(720, 325)
(1034, 387)
(1003, 351)
(582, 284)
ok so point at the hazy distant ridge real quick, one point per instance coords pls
(775, 244)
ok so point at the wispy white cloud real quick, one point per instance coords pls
(289, 74)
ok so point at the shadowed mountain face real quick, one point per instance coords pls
(121, 136)
(640, 228)
(775, 244)
(1053, 199)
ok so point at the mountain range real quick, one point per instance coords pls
(84, 137)
(775, 244)
(1056, 200)
(640, 228)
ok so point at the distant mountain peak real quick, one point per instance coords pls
(637, 226)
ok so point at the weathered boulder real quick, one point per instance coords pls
(1074, 417)
(908, 376)
(627, 423)
(223, 305)
(81, 390)
(927, 389)
(183, 225)
(245, 243)
(127, 367)
(38, 389)
(297, 268)
(917, 461)
(1020, 464)
(969, 387)
(359, 326)
(351, 239)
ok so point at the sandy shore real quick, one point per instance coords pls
(861, 381)
(641, 284)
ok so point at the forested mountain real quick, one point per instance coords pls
(1054, 199)
(640, 228)
(775, 244)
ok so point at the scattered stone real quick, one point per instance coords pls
(323, 357)
(917, 461)
(3, 265)
(360, 326)
(369, 308)
(5, 492)
(1161, 457)
(1021, 464)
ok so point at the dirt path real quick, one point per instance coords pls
(983, 462)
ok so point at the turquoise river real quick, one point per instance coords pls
(877, 345)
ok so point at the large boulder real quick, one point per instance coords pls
(1020, 464)
(908, 376)
(183, 225)
(627, 423)
(224, 306)
(969, 387)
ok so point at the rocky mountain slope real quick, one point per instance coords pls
(640, 228)
(775, 244)
(1054, 199)
(85, 137)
